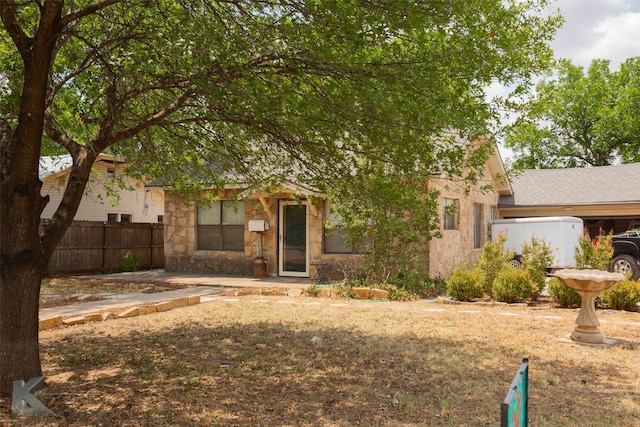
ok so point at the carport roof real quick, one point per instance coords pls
(575, 186)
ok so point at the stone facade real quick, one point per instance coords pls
(181, 252)
(456, 246)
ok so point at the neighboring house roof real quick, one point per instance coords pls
(603, 185)
(55, 166)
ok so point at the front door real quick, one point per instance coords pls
(293, 239)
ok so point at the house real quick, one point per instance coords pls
(136, 203)
(218, 239)
(605, 197)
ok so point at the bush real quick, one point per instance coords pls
(536, 257)
(418, 284)
(596, 254)
(396, 293)
(563, 295)
(513, 285)
(464, 284)
(129, 262)
(622, 296)
(492, 260)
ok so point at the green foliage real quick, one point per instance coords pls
(129, 262)
(464, 284)
(623, 296)
(396, 293)
(596, 254)
(563, 295)
(536, 257)
(492, 260)
(313, 290)
(580, 118)
(513, 285)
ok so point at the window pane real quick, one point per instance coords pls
(477, 226)
(112, 217)
(233, 213)
(209, 214)
(209, 237)
(125, 218)
(449, 220)
(336, 242)
(330, 215)
(233, 237)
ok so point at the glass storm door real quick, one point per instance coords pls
(294, 238)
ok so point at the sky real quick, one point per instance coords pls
(593, 29)
(598, 29)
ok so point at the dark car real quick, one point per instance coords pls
(626, 251)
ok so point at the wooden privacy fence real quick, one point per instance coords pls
(93, 246)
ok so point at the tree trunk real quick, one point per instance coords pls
(19, 346)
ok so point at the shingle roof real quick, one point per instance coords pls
(51, 165)
(576, 186)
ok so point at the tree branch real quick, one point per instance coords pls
(88, 11)
(8, 10)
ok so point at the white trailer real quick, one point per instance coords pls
(561, 233)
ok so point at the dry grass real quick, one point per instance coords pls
(255, 361)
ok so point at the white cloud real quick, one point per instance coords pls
(603, 29)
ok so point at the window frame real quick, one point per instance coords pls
(339, 231)
(230, 235)
(450, 220)
(478, 220)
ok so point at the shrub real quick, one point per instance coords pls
(492, 260)
(596, 254)
(536, 257)
(464, 284)
(563, 295)
(513, 285)
(622, 296)
(313, 290)
(129, 262)
(396, 293)
(418, 284)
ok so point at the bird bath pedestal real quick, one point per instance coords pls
(589, 284)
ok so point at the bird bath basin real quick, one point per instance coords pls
(589, 284)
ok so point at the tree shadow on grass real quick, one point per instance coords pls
(274, 373)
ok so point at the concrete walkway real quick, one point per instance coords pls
(203, 286)
(161, 276)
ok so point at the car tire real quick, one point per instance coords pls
(626, 264)
(515, 263)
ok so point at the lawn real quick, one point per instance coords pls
(275, 361)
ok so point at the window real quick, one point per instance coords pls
(221, 226)
(160, 219)
(336, 240)
(450, 221)
(477, 226)
(118, 217)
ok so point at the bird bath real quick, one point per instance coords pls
(589, 284)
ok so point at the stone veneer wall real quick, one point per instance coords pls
(180, 240)
(455, 248)
(445, 254)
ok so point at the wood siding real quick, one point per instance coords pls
(143, 204)
(91, 246)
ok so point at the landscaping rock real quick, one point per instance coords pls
(50, 323)
(361, 293)
(378, 294)
(70, 321)
(132, 312)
